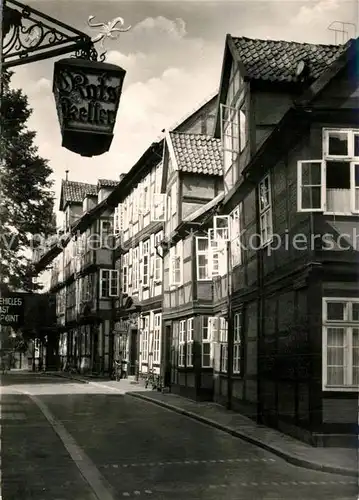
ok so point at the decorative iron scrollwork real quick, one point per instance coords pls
(107, 30)
(87, 52)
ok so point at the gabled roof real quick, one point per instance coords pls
(277, 60)
(107, 183)
(74, 192)
(197, 153)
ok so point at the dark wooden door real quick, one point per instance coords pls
(133, 352)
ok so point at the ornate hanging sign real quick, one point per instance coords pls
(87, 95)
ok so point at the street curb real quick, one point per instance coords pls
(301, 462)
(68, 377)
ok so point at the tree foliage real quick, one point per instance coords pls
(26, 199)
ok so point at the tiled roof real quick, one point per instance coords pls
(74, 192)
(197, 153)
(107, 183)
(277, 60)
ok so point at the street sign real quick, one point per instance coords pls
(12, 306)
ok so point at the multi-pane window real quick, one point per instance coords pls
(157, 338)
(340, 344)
(331, 184)
(118, 219)
(189, 350)
(158, 207)
(144, 338)
(265, 210)
(237, 344)
(235, 236)
(223, 341)
(109, 283)
(176, 264)
(217, 260)
(106, 231)
(135, 268)
(206, 343)
(145, 262)
(221, 226)
(158, 259)
(125, 273)
(202, 255)
(182, 344)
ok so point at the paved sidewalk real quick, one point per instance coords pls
(333, 460)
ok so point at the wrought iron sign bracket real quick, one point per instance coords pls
(30, 36)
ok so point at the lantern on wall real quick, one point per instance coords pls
(87, 95)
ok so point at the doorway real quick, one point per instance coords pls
(133, 351)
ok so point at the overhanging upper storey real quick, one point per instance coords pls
(30, 35)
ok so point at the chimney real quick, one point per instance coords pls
(122, 176)
(66, 175)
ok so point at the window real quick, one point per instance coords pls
(182, 343)
(106, 231)
(125, 273)
(331, 184)
(190, 342)
(158, 259)
(221, 226)
(173, 213)
(230, 136)
(217, 260)
(235, 236)
(223, 340)
(118, 219)
(144, 339)
(206, 343)
(135, 268)
(158, 207)
(145, 262)
(168, 214)
(265, 210)
(202, 254)
(176, 264)
(109, 283)
(237, 347)
(157, 338)
(340, 344)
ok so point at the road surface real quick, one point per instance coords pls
(62, 440)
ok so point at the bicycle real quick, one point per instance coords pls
(152, 378)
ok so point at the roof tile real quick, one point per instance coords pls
(277, 60)
(197, 153)
(107, 183)
(74, 192)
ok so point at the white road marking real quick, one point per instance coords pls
(189, 462)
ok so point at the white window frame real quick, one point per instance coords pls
(202, 253)
(157, 322)
(108, 234)
(237, 342)
(221, 233)
(217, 258)
(176, 264)
(144, 338)
(125, 273)
(146, 265)
(118, 219)
(300, 186)
(182, 344)
(348, 324)
(113, 282)
(189, 343)
(235, 236)
(266, 213)
(206, 337)
(223, 340)
(136, 268)
(350, 132)
(231, 124)
(158, 212)
(158, 259)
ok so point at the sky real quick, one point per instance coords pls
(172, 55)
